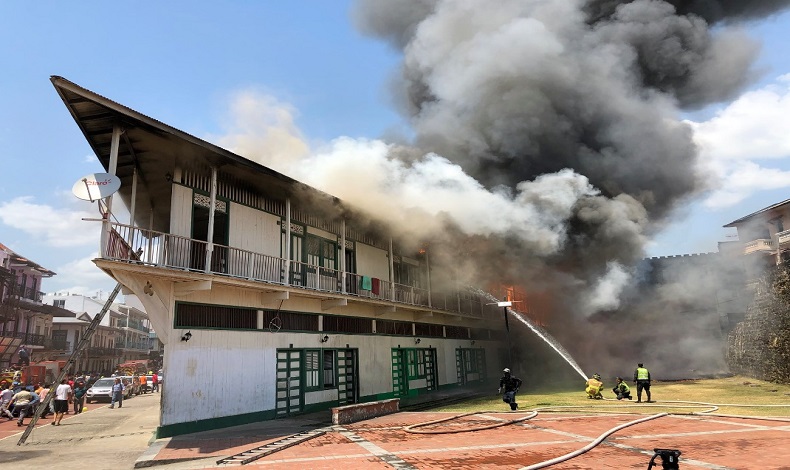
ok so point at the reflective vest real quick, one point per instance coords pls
(642, 374)
(623, 387)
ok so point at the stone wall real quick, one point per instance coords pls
(759, 346)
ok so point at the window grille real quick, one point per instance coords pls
(391, 327)
(457, 332)
(428, 329)
(215, 316)
(340, 324)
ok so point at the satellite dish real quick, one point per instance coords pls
(96, 186)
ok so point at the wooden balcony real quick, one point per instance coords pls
(138, 246)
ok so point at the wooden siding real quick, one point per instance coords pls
(254, 230)
(372, 262)
(181, 211)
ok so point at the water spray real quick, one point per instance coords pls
(542, 333)
(550, 340)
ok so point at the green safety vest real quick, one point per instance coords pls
(642, 373)
(623, 387)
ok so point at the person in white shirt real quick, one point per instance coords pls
(5, 398)
(62, 398)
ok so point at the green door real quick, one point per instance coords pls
(289, 382)
(347, 383)
(430, 369)
(400, 384)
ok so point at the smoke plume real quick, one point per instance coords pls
(548, 145)
(534, 91)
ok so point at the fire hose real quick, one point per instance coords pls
(711, 408)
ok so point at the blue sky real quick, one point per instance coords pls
(186, 64)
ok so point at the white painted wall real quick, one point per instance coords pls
(224, 373)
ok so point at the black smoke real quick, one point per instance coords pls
(521, 89)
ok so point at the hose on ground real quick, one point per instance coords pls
(413, 428)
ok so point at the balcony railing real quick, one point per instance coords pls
(27, 338)
(783, 239)
(761, 245)
(61, 345)
(133, 325)
(95, 351)
(136, 245)
(28, 293)
(139, 345)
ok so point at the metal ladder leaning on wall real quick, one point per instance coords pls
(84, 341)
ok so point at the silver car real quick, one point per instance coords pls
(100, 390)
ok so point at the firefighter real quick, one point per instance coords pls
(594, 387)
(511, 385)
(622, 390)
(642, 381)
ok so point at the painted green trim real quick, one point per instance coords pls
(177, 429)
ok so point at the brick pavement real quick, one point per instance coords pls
(707, 442)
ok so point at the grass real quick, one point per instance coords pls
(721, 392)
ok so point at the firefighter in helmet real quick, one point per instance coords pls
(510, 384)
(594, 387)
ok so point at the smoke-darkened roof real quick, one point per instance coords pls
(735, 223)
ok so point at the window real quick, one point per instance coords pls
(61, 303)
(321, 252)
(473, 360)
(415, 363)
(329, 369)
(311, 369)
(319, 369)
(215, 316)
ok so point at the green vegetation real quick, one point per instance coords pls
(726, 391)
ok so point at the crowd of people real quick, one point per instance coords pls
(22, 400)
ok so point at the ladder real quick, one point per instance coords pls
(251, 455)
(84, 342)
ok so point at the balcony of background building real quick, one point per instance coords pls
(783, 239)
(96, 351)
(136, 325)
(761, 245)
(61, 345)
(29, 339)
(143, 345)
(28, 293)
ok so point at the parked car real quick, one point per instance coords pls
(132, 386)
(101, 390)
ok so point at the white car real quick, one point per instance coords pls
(100, 390)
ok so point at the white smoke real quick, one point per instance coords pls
(605, 293)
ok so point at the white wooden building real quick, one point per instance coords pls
(271, 297)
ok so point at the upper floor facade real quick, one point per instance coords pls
(208, 219)
(24, 320)
(124, 328)
(765, 234)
